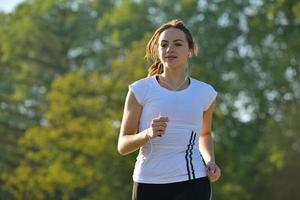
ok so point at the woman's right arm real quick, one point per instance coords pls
(129, 139)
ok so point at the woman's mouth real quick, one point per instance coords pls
(171, 57)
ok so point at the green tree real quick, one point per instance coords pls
(40, 41)
(70, 157)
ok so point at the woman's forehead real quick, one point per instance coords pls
(172, 34)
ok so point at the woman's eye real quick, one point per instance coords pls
(163, 45)
(178, 44)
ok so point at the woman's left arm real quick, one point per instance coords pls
(206, 145)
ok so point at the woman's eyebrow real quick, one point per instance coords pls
(177, 40)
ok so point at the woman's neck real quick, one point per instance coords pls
(173, 76)
(173, 81)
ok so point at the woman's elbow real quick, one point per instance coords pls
(122, 150)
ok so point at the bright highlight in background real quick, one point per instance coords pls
(9, 5)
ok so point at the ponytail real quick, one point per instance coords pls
(156, 69)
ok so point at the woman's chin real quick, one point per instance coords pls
(172, 65)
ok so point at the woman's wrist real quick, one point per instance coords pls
(147, 134)
(211, 161)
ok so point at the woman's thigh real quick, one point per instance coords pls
(198, 189)
(142, 191)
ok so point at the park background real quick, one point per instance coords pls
(64, 70)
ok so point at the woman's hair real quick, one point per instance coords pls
(152, 46)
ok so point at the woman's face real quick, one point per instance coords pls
(173, 50)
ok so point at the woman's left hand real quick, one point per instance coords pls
(214, 172)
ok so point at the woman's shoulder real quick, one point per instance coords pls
(202, 84)
(143, 81)
(140, 89)
(206, 91)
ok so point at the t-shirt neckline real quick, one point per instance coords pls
(154, 78)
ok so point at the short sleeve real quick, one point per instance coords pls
(211, 95)
(139, 89)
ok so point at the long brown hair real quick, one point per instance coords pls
(152, 46)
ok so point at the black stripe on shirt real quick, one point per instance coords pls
(191, 153)
(188, 155)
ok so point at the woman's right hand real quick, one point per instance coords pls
(157, 127)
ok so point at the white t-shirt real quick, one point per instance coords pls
(175, 156)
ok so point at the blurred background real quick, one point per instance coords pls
(64, 70)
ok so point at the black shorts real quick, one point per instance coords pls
(197, 189)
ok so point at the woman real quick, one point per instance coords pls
(168, 117)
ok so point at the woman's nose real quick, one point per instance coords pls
(169, 48)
